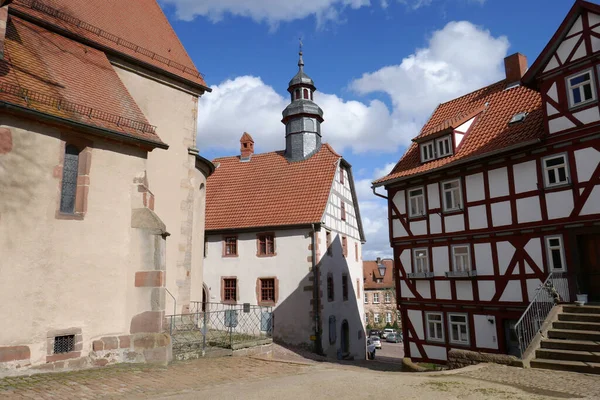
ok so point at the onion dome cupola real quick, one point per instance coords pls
(302, 117)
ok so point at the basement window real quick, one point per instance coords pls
(64, 344)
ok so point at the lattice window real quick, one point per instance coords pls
(64, 344)
(230, 289)
(69, 179)
(266, 245)
(231, 246)
(267, 290)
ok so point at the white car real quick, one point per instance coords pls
(371, 349)
(376, 341)
(387, 331)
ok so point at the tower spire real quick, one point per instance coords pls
(300, 60)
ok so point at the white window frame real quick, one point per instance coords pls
(458, 200)
(440, 323)
(556, 169)
(465, 324)
(420, 202)
(455, 266)
(366, 300)
(366, 318)
(579, 86)
(376, 318)
(431, 147)
(375, 298)
(388, 317)
(416, 268)
(387, 297)
(549, 249)
(439, 153)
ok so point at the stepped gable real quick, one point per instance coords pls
(269, 190)
(135, 28)
(54, 75)
(491, 131)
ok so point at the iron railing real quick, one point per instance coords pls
(46, 9)
(553, 291)
(220, 325)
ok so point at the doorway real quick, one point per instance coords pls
(204, 298)
(589, 279)
(510, 338)
(345, 337)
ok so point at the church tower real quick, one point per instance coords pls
(302, 117)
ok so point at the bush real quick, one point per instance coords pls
(388, 326)
(395, 325)
(369, 327)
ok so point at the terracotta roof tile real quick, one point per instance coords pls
(490, 132)
(57, 76)
(269, 190)
(137, 28)
(371, 273)
(450, 124)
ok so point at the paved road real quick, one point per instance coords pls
(391, 352)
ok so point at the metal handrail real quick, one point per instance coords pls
(552, 291)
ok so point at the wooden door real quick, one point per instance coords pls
(590, 266)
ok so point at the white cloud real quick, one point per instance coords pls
(270, 11)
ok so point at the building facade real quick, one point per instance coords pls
(499, 190)
(284, 230)
(102, 187)
(380, 294)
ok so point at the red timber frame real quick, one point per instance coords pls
(518, 234)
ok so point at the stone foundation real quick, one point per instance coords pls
(464, 358)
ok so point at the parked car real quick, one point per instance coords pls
(375, 332)
(387, 331)
(393, 338)
(371, 349)
(376, 341)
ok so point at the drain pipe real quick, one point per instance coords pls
(316, 289)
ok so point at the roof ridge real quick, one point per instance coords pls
(237, 156)
(471, 92)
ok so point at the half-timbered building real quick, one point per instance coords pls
(500, 189)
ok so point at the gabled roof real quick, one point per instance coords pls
(371, 274)
(50, 74)
(430, 130)
(246, 138)
(135, 28)
(538, 65)
(269, 191)
(490, 133)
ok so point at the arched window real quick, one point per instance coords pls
(297, 94)
(306, 94)
(69, 179)
(311, 94)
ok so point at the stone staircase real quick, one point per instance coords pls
(572, 342)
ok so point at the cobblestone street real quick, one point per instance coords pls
(298, 378)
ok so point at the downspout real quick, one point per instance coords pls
(377, 194)
(316, 290)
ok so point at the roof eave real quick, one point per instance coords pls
(260, 228)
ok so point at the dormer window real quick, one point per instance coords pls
(427, 151)
(581, 88)
(444, 146)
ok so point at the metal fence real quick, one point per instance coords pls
(553, 291)
(219, 325)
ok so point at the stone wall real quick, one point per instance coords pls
(464, 358)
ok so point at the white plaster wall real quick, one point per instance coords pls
(405, 291)
(424, 288)
(483, 259)
(399, 201)
(588, 116)
(440, 260)
(477, 217)
(60, 274)
(414, 351)
(435, 224)
(525, 176)
(442, 290)
(418, 228)
(435, 352)
(586, 160)
(464, 290)
(475, 187)
(501, 213)
(498, 179)
(505, 253)
(559, 204)
(487, 290)
(528, 209)
(454, 223)
(559, 124)
(485, 332)
(565, 48)
(416, 320)
(433, 196)
(592, 205)
(512, 292)
(398, 229)
(406, 260)
(534, 249)
(532, 286)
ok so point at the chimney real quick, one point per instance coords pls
(3, 21)
(515, 66)
(378, 260)
(246, 147)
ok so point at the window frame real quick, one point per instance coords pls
(549, 249)
(387, 297)
(366, 298)
(342, 178)
(225, 244)
(376, 298)
(411, 197)
(225, 289)
(570, 88)
(345, 287)
(469, 266)
(330, 287)
(431, 146)
(429, 337)
(466, 324)
(415, 264)
(459, 200)
(261, 280)
(345, 246)
(390, 319)
(71, 151)
(546, 170)
(343, 210)
(376, 319)
(447, 139)
(264, 237)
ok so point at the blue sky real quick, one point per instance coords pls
(381, 67)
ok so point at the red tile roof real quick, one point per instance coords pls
(136, 28)
(371, 273)
(269, 191)
(54, 75)
(450, 124)
(490, 132)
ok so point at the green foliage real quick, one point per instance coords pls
(369, 327)
(388, 326)
(395, 325)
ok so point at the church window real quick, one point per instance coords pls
(69, 180)
(297, 96)
(555, 170)
(306, 94)
(581, 88)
